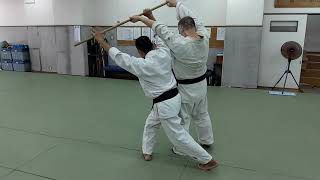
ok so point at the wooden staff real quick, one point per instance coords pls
(120, 24)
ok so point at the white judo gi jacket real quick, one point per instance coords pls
(190, 55)
(190, 62)
(154, 72)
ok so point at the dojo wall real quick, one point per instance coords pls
(242, 43)
(6, 9)
(40, 13)
(14, 34)
(212, 11)
(16, 13)
(69, 12)
(59, 56)
(106, 13)
(51, 48)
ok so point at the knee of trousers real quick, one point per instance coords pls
(148, 126)
(202, 117)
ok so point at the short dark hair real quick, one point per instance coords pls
(187, 23)
(144, 44)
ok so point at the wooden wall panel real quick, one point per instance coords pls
(297, 3)
(214, 43)
(126, 43)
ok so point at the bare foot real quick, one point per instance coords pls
(210, 165)
(205, 146)
(147, 157)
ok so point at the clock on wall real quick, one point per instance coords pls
(29, 1)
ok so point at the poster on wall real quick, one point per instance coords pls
(209, 31)
(297, 4)
(146, 31)
(125, 33)
(136, 33)
(221, 33)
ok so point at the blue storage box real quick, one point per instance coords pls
(21, 66)
(6, 65)
(20, 52)
(5, 54)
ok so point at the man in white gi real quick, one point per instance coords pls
(158, 82)
(190, 49)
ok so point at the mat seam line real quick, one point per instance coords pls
(137, 150)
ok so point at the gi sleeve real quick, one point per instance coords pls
(183, 11)
(173, 40)
(131, 64)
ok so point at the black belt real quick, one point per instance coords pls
(166, 95)
(193, 81)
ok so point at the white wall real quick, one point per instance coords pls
(40, 13)
(108, 12)
(16, 13)
(213, 12)
(269, 8)
(69, 12)
(7, 17)
(312, 42)
(245, 12)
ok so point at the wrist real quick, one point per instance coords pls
(140, 18)
(152, 18)
(106, 46)
(143, 19)
(103, 43)
(178, 3)
(100, 40)
(174, 4)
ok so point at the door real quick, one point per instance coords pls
(63, 50)
(272, 63)
(241, 57)
(48, 49)
(35, 60)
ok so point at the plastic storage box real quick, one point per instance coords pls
(7, 65)
(6, 59)
(20, 52)
(21, 58)
(21, 66)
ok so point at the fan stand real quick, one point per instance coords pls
(286, 73)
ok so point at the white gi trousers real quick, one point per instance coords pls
(197, 112)
(165, 114)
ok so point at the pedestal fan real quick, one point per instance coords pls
(291, 51)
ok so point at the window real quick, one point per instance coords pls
(77, 33)
(284, 26)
